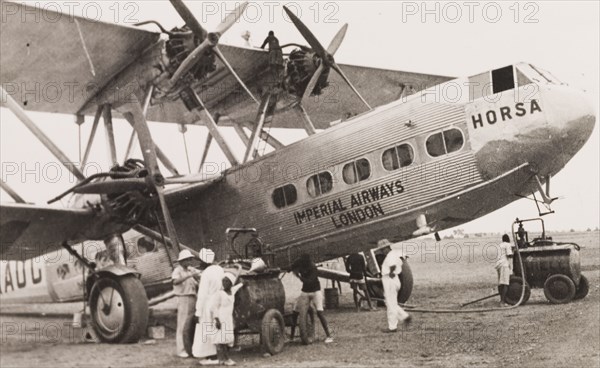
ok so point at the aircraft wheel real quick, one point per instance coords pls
(406, 283)
(306, 325)
(272, 333)
(559, 289)
(189, 330)
(583, 288)
(514, 291)
(119, 309)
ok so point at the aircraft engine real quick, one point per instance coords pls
(301, 66)
(180, 45)
(130, 207)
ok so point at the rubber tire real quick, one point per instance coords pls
(514, 291)
(583, 288)
(189, 330)
(306, 325)
(406, 283)
(135, 305)
(272, 334)
(559, 289)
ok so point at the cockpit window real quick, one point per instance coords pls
(522, 79)
(503, 79)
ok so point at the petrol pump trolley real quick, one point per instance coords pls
(553, 266)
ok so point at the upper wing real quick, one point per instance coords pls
(28, 231)
(222, 94)
(54, 62)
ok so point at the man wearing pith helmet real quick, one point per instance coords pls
(184, 287)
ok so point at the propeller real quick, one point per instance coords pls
(326, 55)
(209, 41)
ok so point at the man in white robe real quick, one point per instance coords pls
(210, 284)
(390, 277)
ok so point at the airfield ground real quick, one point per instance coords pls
(536, 335)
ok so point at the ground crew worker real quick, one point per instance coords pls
(184, 287)
(390, 278)
(306, 271)
(356, 267)
(504, 267)
(211, 282)
(275, 56)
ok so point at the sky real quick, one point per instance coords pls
(446, 38)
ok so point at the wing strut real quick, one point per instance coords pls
(132, 137)
(159, 153)
(110, 134)
(14, 195)
(211, 124)
(13, 106)
(88, 147)
(252, 148)
(133, 112)
(308, 124)
(271, 141)
(207, 145)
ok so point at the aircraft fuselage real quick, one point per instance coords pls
(370, 177)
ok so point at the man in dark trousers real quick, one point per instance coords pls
(306, 271)
(275, 55)
(356, 267)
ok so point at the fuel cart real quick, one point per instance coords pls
(259, 305)
(553, 266)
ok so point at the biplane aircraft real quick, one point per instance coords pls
(388, 158)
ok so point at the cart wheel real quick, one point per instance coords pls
(273, 331)
(514, 291)
(306, 325)
(583, 288)
(189, 330)
(559, 289)
(119, 309)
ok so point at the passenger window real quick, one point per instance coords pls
(454, 140)
(397, 157)
(285, 196)
(445, 142)
(503, 79)
(435, 145)
(145, 245)
(319, 184)
(356, 171)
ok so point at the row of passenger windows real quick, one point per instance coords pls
(394, 158)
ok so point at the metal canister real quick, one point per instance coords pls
(264, 291)
(541, 262)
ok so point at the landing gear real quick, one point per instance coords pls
(119, 308)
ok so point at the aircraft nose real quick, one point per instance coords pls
(571, 118)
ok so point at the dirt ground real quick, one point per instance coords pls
(535, 335)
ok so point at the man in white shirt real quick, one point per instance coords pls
(504, 267)
(390, 277)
